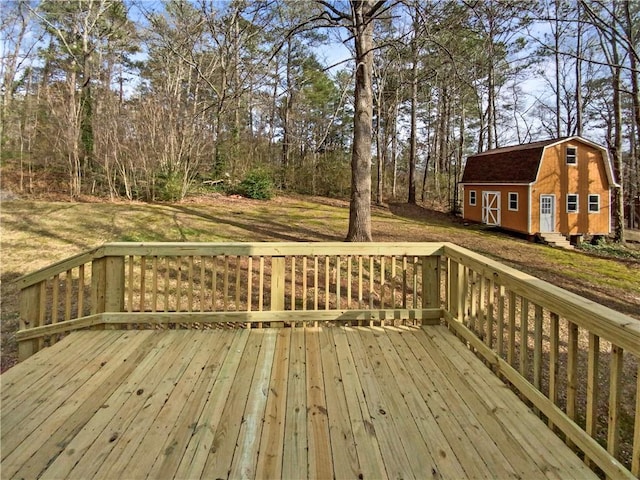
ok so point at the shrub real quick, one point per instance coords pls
(257, 184)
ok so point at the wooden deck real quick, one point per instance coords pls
(326, 402)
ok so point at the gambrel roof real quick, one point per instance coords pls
(519, 163)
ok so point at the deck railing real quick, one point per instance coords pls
(574, 361)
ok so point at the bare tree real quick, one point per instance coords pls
(359, 21)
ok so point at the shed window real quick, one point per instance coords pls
(513, 201)
(594, 203)
(472, 197)
(572, 155)
(572, 203)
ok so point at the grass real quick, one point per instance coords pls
(37, 233)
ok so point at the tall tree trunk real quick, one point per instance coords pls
(617, 142)
(556, 38)
(360, 204)
(579, 100)
(413, 140)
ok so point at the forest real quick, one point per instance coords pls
(159, 100)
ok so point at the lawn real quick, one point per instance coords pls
(37, 233)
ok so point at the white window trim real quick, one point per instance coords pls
(517, 201)
(473, 195)
(577, 210)
(575, 156)
(596, 195)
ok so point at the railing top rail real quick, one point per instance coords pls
(58, 267)
(234, 248)
(273, 248)
(608, 324)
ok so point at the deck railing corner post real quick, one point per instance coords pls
(31, 316)
(107, 284)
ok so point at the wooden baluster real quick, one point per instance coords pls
(415, 282)
(349, 286)
(179, 284)
(404, 281)
(278, 270)
(360, 286)
(500, 321)
(572, 372)
(315, 284)
(371, 285)
(143, 272)
(167, 270)
(511, 342)
(338, 282)
(261, 288)
(237, 287)
(68, 289)
(524, 336)
(304, 283)
(537, 347)
(327, 279)
(190, 284)
(491, 312)
(554, 353)
(81, 280)
(394, 282)
(592, 389)
(55, 289)
(293, 285)
(130, 285)
(482, 311)
(154, 284)
(203, 281)
(249, 286)
(214, 283)
(382, 285)
(473, 315)
(225, 285)
(615, 392)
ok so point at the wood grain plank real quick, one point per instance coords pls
(93, 445)
(220, 454)
(393, 453)
(48, 442)
(364, 435)
(271, 450)
(318, 439)
(294, 457)
(344, 455)
(192, 432)
(184, 404)
(245, 456)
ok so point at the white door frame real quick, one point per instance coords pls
(545, 216)
(491, 208)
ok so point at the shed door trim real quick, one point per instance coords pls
(491, 208)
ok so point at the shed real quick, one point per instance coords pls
(561, 185)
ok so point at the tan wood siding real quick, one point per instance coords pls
(511, 220)
(587, 177)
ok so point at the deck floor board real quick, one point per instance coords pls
(315, 402)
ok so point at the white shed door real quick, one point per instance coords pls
(547, 213)
(491, 208)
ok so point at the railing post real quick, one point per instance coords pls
(431, 282)
(31, 316)
(107, 285)
(457, 290)
(277, 286)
